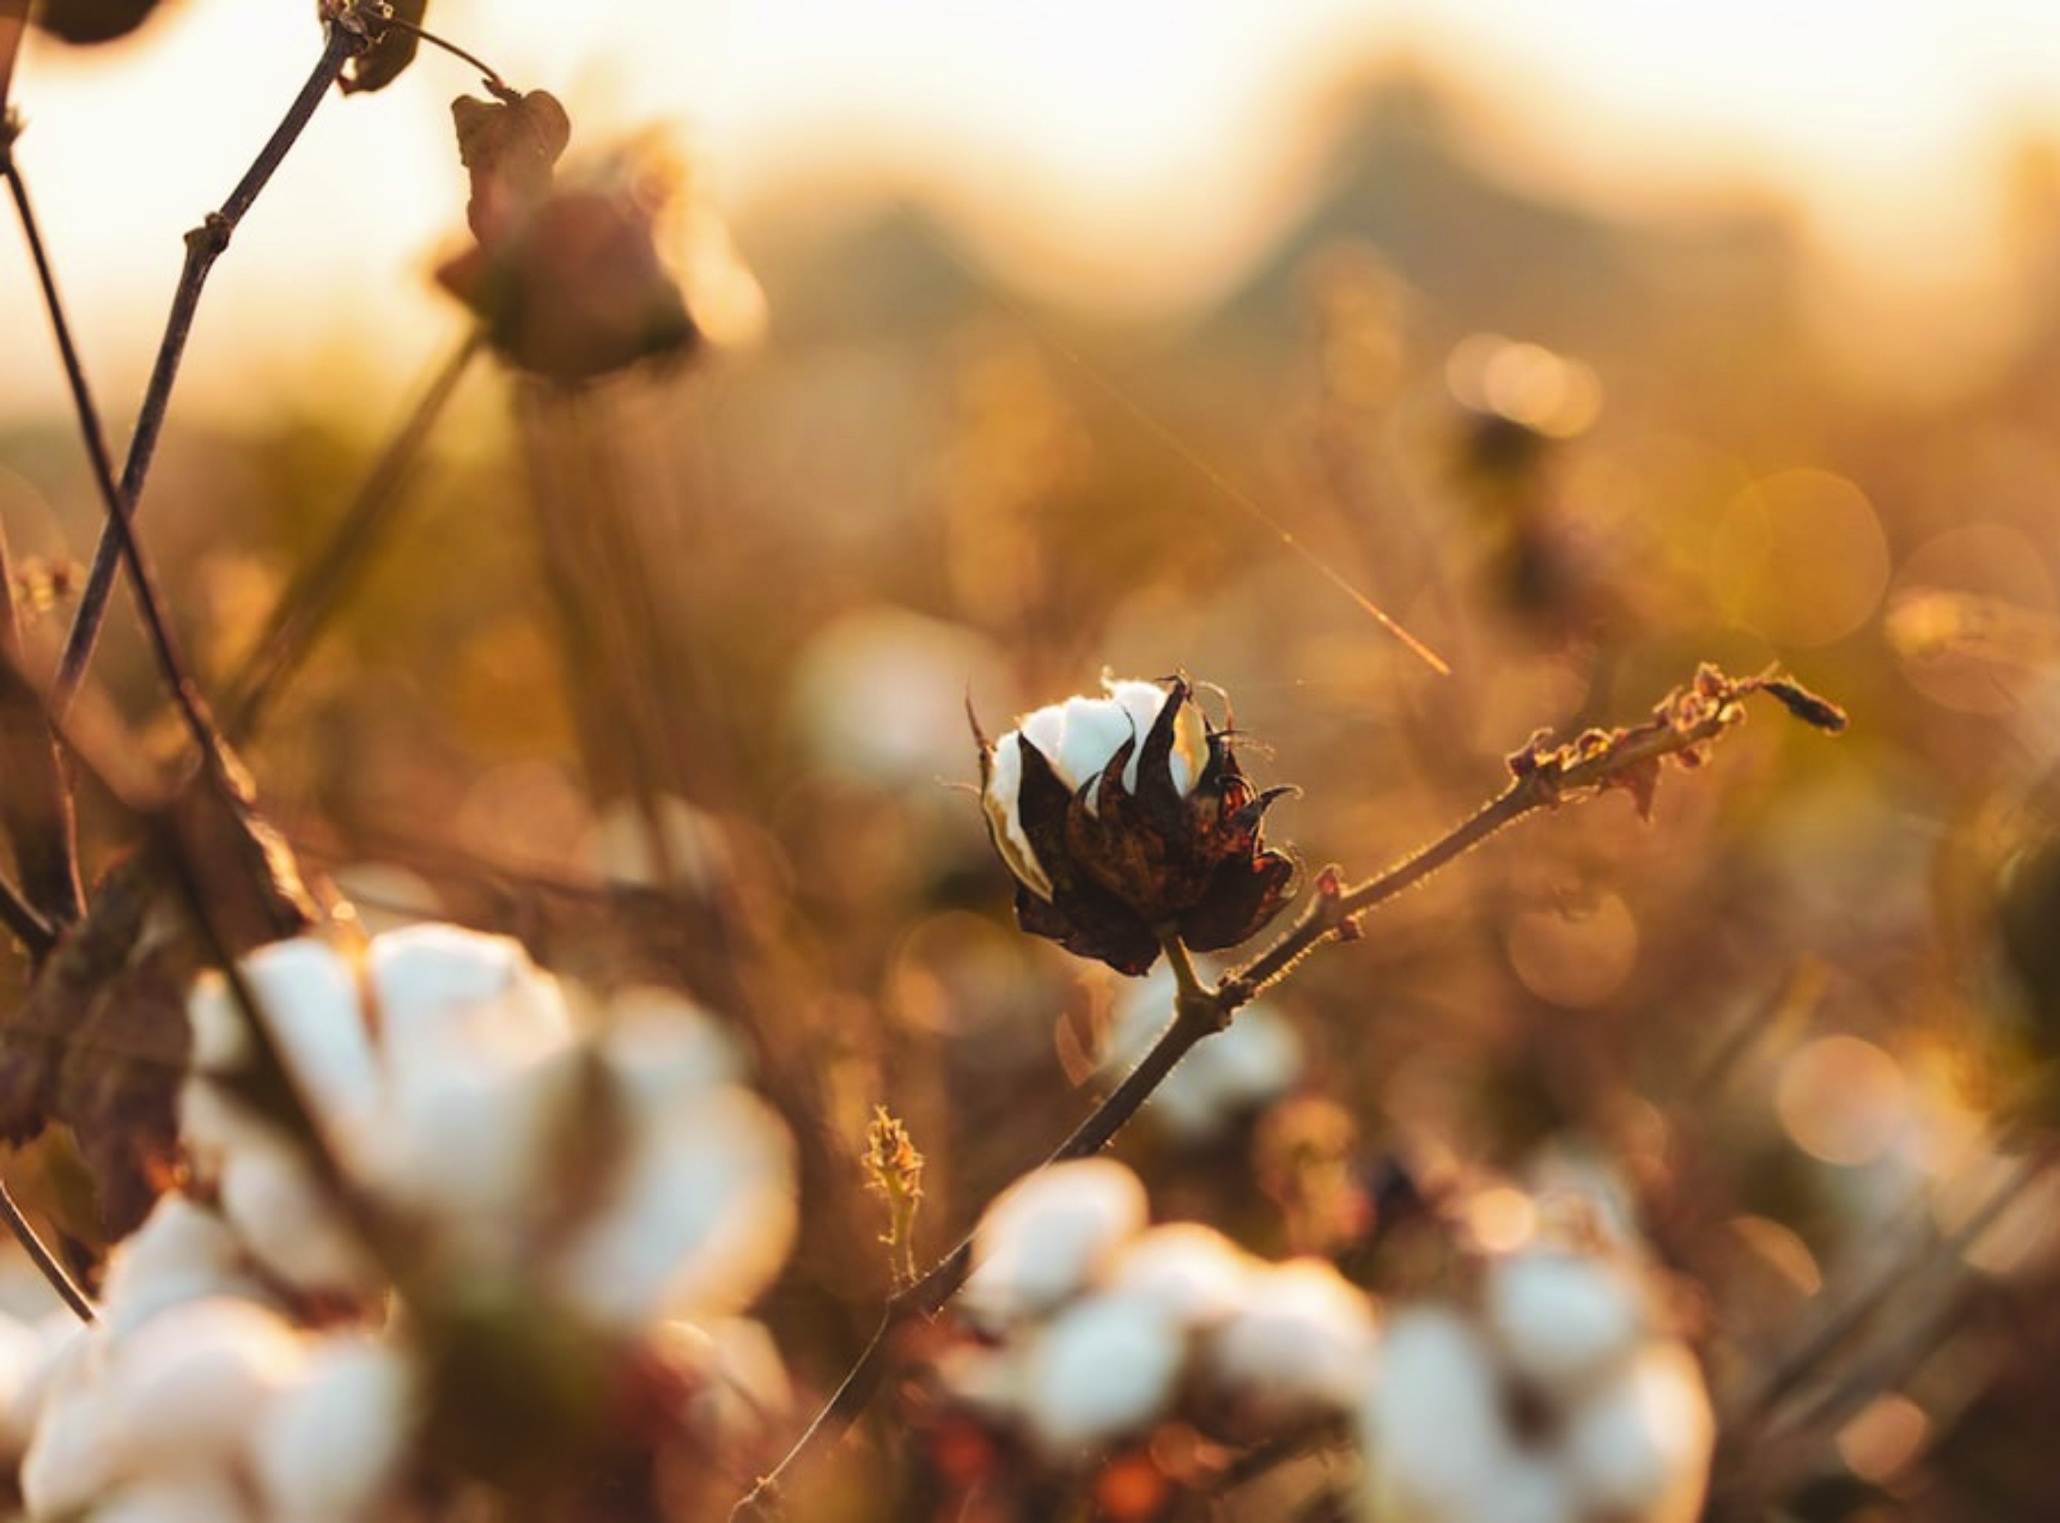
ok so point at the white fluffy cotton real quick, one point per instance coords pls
(1048, 1235)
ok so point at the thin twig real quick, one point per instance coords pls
(45, 1261)
(489, 76)
(204, 245)
(305, 608)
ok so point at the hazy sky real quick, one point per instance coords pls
(1132, 150)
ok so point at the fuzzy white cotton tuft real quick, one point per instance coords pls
(333, 1444)
(1104, 1367)
(182, 1252)
(1562, 1318)
(1048, 1235)
(285, 1219)
(185, 1388)
(1432, 1424)
(1300, 1348)
(699, 1218)
(185, 1497)
(441, 989)
(1193, 1271)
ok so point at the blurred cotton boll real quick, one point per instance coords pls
(881, 694)
(1564, 1400)
(1300, 1347)
(1106, 1366)
(1241, 1069)
(1048, 1236)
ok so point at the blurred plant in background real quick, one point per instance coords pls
(1685, 1154)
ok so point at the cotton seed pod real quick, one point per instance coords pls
(1126, 817)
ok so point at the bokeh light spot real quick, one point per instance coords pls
(1799, 558)
(1576, 958)
(1843, 1100)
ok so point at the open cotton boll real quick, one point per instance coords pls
(71, 1457)
(182, 1252)
(440, 988)
(468, 1143)
(1301, 1347)
(697, 1221)
(1638, 1449)
(1048, 1235)
(1194, 1271)
(331, 1447)
(287, 1222)
(310, 1000)
(23, 1354)
(1432, 1423)
(1103, 1367)
(186, 1388)
(1563, 1318)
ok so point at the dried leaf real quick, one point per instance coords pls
(91, 21)
(390, 52)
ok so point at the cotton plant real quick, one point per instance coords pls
(277, 1341)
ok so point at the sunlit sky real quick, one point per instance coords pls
(1128, 152)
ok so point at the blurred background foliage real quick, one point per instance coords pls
(668, 677)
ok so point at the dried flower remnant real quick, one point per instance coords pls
(567, 280)
(894, 1171)
(1127, 819)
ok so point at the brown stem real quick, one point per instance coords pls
(204, 245)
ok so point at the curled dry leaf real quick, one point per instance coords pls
(389, 49)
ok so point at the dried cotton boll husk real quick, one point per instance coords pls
(696, 1221)
(1638, 1449)
(1193, 1271)
(1049, 1235)
(1563, 1318)
(331, 1447)
(1104, 1367)
(1301, 1347)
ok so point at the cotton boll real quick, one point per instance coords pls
(697, 1222)
(991, 1379)
(286, 1220)
(185, 1389)
(1639, 1448)
(1299, 1349)
(1432, 1423)
(182, 1252)
(188, 1497)
(61, 1341)
(1104, 1367)
(1563, 1318)
(663, 1049)
(468, 1144)
(332, 1446)
(70, 1458)
(1048, 1235)
(441, 989)
(22, 1356)
(1193, 1271)
(309, 997)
